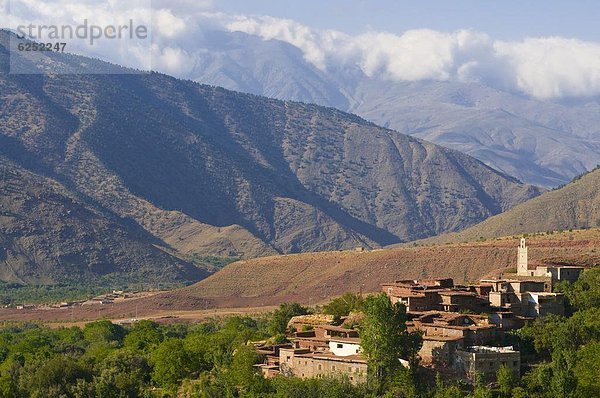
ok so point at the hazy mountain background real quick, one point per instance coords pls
(179, 169)
(539, 142)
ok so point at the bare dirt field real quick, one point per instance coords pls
(312, 278)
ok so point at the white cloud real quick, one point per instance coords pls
(313, 44)
(545, 68)
(554, 67)
(174, 60)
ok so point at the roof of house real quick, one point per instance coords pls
(332, 357)
(352, 340)
(456, 293)
(337, 329)
(442, 338)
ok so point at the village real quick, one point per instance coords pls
(461, 325)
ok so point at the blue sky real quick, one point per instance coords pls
(504, 20)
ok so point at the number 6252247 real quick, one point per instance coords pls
(33, 46)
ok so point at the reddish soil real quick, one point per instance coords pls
(314, 277)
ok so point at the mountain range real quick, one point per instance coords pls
(126, 173)
(539, 142)
(574, 206)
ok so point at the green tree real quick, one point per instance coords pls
(104, 332)
(441, 391)
(563, 382)
(171, 363)
(519, 392)
(506, 380)
(401, 384)
(585, 292)
(281, 317)
(144, 335)
(122, 374)
(344, 305)
(587, 371)
(244, 374)
(327, 387)
(199, 347)
(384, 339)
(481, 390)
(54, 377)
(102, 338)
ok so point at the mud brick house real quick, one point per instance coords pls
(454, 301)
(440, 351)
(319, 338)
(435, 295)
(303, 363)
(472, 329)
(486, 361)
(325, 350)
(269, 355)
(506, 320)
(526, 297)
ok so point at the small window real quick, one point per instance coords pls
(340, 346)
(320, 367)
(351, 378)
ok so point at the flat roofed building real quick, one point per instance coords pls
(473, 329)
(439, 350)
(506, 320)
(486, 360)
(306, 364)
(542, 304)
(560, 273)
(344, 347)
(529, 304)
(413, 299)
(452, 301)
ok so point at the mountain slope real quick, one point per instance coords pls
(541, 143)
(207, 171)
(49, 235)
(576, 205)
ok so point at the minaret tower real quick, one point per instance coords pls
(522, 259)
